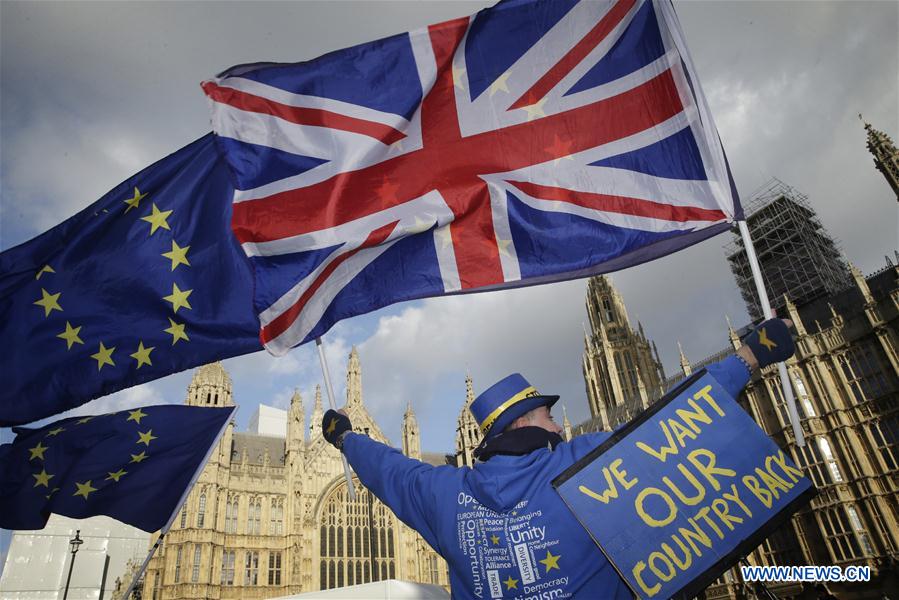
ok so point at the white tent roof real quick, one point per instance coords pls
(392, 589)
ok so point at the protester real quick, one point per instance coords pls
(502, 528)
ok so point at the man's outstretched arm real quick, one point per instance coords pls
(404, 484)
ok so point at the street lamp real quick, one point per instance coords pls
(74, 543)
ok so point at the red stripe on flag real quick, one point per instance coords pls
(574, 56)
(283, 321)
(453, 162)
(621, 204)
(302, 116)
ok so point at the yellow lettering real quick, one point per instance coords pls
(735, 496)
(683, 565)
(681, 432)
(664, 451)
(703, 513)
(709, 470)
(641, 498)
(700, 490)
(792, 472)
(638, 570)
(656, 557)
(621, 475)
(690, 417)
(773, 482)
(752, 484)
(720, 507)
(704, 394)
(696, 534)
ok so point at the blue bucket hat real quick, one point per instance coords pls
(506, 400)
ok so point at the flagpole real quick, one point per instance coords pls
(346, 467)
(766, 310)
(168, 524)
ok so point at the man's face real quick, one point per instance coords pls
(541, 417)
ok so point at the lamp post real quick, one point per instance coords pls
(74, 543)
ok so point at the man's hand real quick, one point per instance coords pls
(770, 343)
(334, 425)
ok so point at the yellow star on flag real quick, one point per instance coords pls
(177, 331)
(134, 201)
(459, 77)
(495, 539)
(136, 458)
(135, 415)
(178, 298)
(500, 85)
(146, 437)
(178, 255)
(142, 355)
(37, 451)
(117, 475)
(551, 562)
(53, 491)
(503, 247)
(331, 426)
(55, 432)
(84, 489)
(43, 478)
(70, 335)
(444, 236)
(46, 269)
(84, 420)
(511, 583)
(765, 341)
(49, 302)
(157, 219)
(103, 356)
(535, 110)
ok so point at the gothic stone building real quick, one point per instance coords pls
(846, 378)
(270, 516)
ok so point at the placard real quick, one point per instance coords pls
(680, 494)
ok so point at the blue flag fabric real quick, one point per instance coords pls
(133, 466)
(145, 282)
(536, 141)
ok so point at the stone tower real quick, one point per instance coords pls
(210, 386)
(622, 372)
(886, 155)
(411, 435)
(468, 434)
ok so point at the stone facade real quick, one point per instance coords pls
(622, 370)
(846, 381)
(271, 516)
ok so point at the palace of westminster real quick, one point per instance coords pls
(271, 516)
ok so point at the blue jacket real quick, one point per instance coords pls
(502, 528)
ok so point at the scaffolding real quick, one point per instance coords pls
(797, 256)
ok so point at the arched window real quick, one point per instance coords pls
(184, 516)
(345, 542)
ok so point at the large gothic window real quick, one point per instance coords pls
(354, 537)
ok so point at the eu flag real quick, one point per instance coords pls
(145, 282)
(133, 465)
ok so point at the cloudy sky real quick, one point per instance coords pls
(90, 93)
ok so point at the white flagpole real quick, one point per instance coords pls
(766, 310)
(346, 467)
(168, 524)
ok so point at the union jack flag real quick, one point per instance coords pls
(529, 143)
